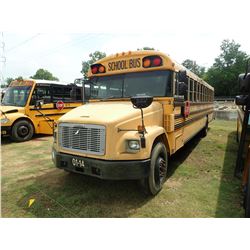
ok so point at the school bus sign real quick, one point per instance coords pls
(130, 62)
(124, 64)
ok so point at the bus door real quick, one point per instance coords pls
(41, 109)
(181, 109)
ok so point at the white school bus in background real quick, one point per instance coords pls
(110, 139)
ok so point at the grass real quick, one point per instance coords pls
(200, 183)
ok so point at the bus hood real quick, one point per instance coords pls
(107, 112)
(11, 109)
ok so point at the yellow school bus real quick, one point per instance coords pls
(112, 138)
(32, 106)
(243, 137)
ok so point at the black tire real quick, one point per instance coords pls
(247, 198)
(158, 170)
(204, 131)
(22, 131)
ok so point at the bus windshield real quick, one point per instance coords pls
(155, 83)
(16, 96)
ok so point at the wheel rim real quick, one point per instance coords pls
(160, 171)
(22, 131)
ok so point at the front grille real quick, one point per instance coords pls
(83, 138)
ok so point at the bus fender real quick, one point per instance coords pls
(156, 134)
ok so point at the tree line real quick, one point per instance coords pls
(41, 74)
(222, 75)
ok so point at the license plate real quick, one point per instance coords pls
(78, 163)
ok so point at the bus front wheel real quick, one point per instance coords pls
(22, 130)
(158, 170)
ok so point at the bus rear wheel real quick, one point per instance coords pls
(22, 131)
(204, 131)
(158, 170)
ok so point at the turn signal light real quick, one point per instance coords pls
(152, 61)
(101, 69)
(146, 63)
(97, 68)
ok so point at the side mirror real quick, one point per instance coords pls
(182, 76)
(241, 100)
(244, 82)
(87, 91)
(141, 102)
(39, 104)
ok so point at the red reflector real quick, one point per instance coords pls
(157, 61)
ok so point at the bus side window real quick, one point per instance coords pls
(41, 93)
(69, 94)
(79, 94)
(198, 92)
(191, 84)
(58, 93)
(75, 94)
(202, 98)
(195, 91)
(181, 88)
(201, 93)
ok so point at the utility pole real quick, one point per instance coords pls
(2, 59)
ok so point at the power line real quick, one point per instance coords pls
(66, 45)
(72, 43)
(23, 42)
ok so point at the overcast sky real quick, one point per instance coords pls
(59, 38)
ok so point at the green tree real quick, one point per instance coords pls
(97, 55)
(223, 75)
(9, 80)
(194, 67)
(44, 74)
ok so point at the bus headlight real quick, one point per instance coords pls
(4, 120)
(133, 144)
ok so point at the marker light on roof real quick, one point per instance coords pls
(152, 61)
(101, 69)
(146, 63)
(157, 61)
(97, 68)
(94, 69)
